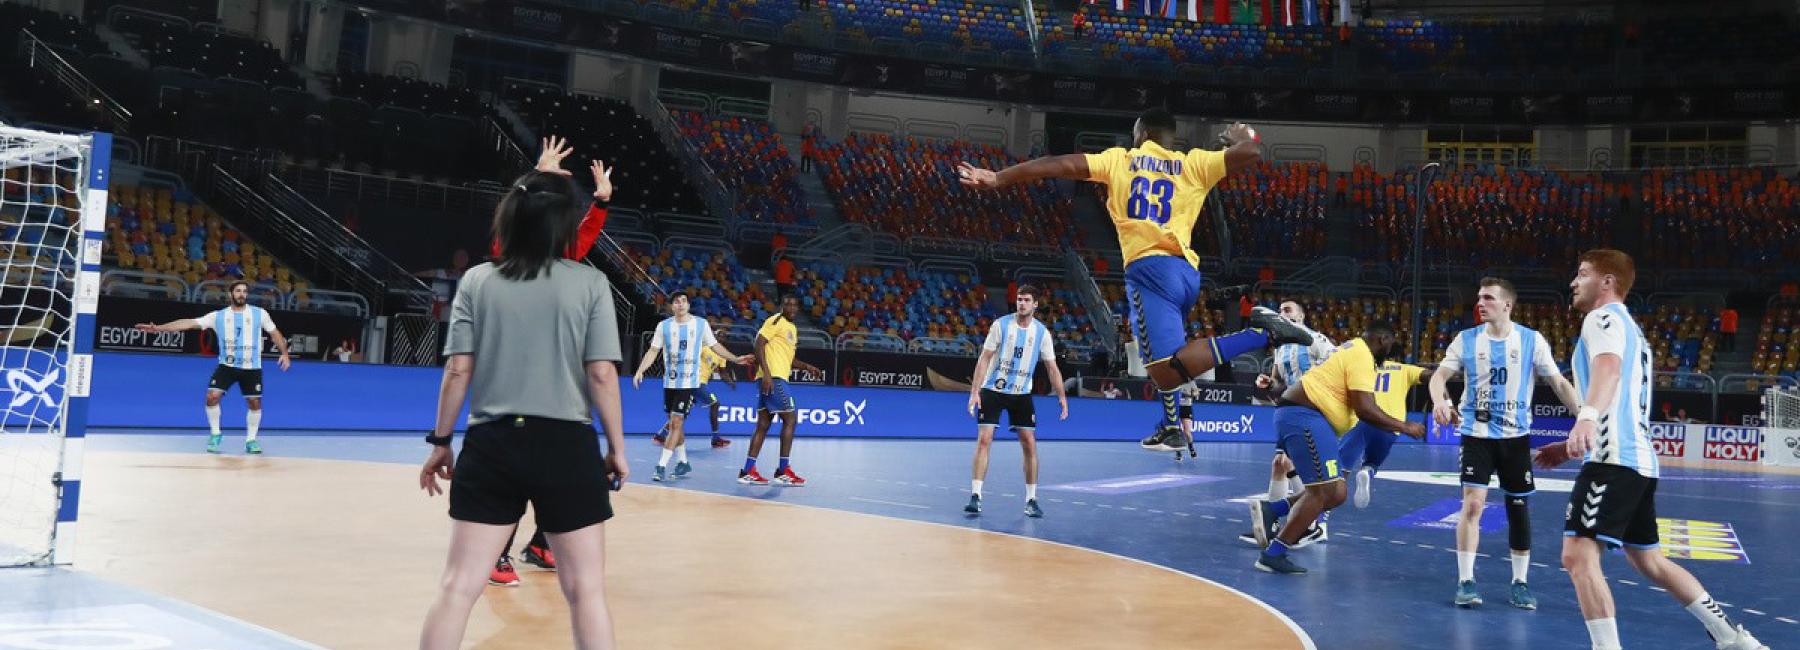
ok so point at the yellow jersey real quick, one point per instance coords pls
(710, 362)
(778, 352)
(1154, 196)
(1392, 382)
(1329, 384)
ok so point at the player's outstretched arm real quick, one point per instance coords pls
(1363, 403)
(1243, 148)
(1068, 166)
(171, 326)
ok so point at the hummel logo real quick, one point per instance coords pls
(1593, 499)
(24, 389)
(1589, 522)
(1598, 488)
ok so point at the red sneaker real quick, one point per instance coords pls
(720, 443)
(752, 477)
(503, 574)
(789, 478)
(540, 557)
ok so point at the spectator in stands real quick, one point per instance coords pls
(1728, 328)
(809, 147)
(443, 283)
(345, 352)
(1078, 22)
(1110, 390)
(784, 277)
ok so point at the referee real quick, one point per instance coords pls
(532, 346)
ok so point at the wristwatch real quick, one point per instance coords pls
(441, 442)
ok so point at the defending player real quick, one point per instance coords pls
(240, 327)
(1499, 364)
(680, 338)
(1010, 355)
(1614, 501)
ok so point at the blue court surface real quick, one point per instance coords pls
(1384, 580)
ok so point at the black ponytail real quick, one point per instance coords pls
(534, 223)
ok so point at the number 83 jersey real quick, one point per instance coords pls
(1154, 196)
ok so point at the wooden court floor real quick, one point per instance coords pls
(347, 555)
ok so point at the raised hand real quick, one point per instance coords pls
(603, 187)
(550, 158)
(976, 177)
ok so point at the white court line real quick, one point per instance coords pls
(1787, 620)
(891, 503)
(1752, 611)
(1306, 641)
(1628, 582)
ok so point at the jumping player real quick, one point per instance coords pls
(1614, 501)
(240, 327)
(1309, 417)
(1154, 196)
(1010, 355)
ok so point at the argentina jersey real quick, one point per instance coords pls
(1623, 432)
(240, 335)
(1293, 360)
(1017, 351)
(1499, 375)
(681, 343)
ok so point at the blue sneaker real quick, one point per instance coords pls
(1278, 564)
(662, 474)
(1466, 596)
(212, 443)
(682, 468)
(1521, 596)
(1032, 510)
(1264, 519)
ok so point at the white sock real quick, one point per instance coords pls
(212, 418)
(252, 422)
(1605, 633)
(1278, 489)
(1465, 566)
(667, 452)
(1030, 491)
(681, 453)
(1712, 617)
(1295, 485)
(975, 487)
(1521, 562)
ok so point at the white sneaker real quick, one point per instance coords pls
(1362, 487)
(1318, 533)
(1743, 641)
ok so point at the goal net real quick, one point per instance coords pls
(52, 222)
(1781, 427)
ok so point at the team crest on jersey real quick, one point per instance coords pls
(1512, 355)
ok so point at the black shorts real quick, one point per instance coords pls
(1187, 411)
(556, 465)
(1020, 412)
(249, 382)
(1613, 504)
(1511, 457)
(678, 401)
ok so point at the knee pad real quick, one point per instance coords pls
(1518, 524)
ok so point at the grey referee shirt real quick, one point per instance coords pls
(532, 339)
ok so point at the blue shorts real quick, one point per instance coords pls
(777, 401)
(1159, 291)
(704, 397)
(1365, 444)
(1310, 442)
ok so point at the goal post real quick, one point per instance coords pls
(1781, 426)
(53, 205)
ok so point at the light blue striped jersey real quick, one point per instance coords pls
(1017, 351)
(1623, 436)
(681, 343)
(1499, 375)
(240, 335)
(1293, 360)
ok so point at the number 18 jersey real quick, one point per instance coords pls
(1154, 196)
